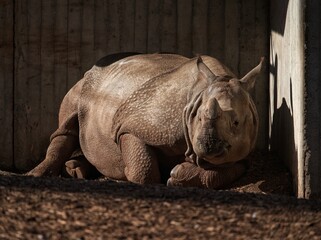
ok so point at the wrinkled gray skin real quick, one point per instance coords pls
(144, 115)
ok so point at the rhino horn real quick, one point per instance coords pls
(205, 72)
(248, 81)
(213, 109)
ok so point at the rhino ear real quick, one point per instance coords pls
(248, 81)
(204, 72)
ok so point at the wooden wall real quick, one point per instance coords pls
(56, 41)
(6, 84)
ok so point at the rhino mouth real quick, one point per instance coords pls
(207, 158)
(208, 164)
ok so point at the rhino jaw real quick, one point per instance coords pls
(202, 163)
(211, 150)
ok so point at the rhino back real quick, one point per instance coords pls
(104, 90)
(154, 111)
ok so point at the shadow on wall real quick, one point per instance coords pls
(282, 142)
(282, 139)
(278, 12)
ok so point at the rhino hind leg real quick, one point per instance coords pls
(189, 175)
(141, 165)
(64, 141)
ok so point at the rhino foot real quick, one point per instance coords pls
(42, 170)
(185, 174)
(80, 168)
(189, 175)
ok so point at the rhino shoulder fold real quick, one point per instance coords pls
(154, 111)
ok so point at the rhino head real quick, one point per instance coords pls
(220, 120)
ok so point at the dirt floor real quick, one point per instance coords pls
(258, 206)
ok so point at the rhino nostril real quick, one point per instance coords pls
(209, 145)
(228, 146)
(236, 123)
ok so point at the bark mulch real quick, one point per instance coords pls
(258, 206)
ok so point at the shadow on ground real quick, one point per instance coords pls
(264, 181)
(266, 174)
(60, 208)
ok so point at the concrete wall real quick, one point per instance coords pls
(294, 91)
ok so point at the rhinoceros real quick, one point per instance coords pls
(156, 118)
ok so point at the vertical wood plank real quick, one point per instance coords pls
(48, 111)
(127, 26)
(260, 93)
(184, 27)
(60, 51)
(141, 26)
(75, 11)
(113, 43)
(200, 9)
(27, 88)
(216, 29)
(154, 28)
(87, 36)
(232, 20)
(6, 84)
(252, 35)
(247, 36)
(168, 27)
(100, 29)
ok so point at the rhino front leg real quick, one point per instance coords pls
(140, 160)
(189, 175)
